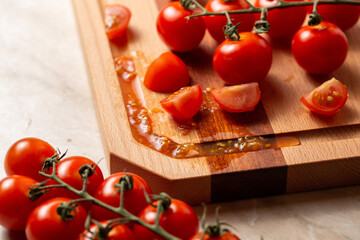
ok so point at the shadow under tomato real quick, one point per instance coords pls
(15, 235)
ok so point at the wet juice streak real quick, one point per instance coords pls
(142, 131)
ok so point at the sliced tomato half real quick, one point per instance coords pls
(117, 18)
(238, 98)
(184, 103)
(327, 99)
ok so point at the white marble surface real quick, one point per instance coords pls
(44, 93)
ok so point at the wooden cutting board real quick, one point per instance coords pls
(328, 154)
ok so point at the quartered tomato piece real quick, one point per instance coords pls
(183, 104)
(238, 98)
(117, 19)
(327, 99)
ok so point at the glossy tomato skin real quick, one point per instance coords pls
(134, 199)
(117, 18)
(15, 204)
(327, 99)
(283, 22)
(178, 33)
(226, 236)
(119, 232)
(167, 73)
(26, 157)
(320, 49)
(215, 24)
(238, 98)
(243, 61)
(183, 104)
(179, 220)
(44, 223)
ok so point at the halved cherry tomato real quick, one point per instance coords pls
(167, 73)
(215, 24)
(327, 99)
(118, 232)
(238, 98)
(117, 18)
(183, 104)
(226, 236)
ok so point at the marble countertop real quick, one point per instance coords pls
(44, 93)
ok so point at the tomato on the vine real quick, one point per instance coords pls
(226, 236)
(15, 202)
(183, 104)
(117, 18)
(283, 22)
(215, 24)
(238, 98)
(118, 232)
(26, 157)
(178, 33)
(45, 223)
(179, 220)
(320, 49)
(246, 60)
(134, 199)
(167, 73)
(327, 99)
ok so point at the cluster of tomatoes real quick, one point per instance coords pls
(42, 216)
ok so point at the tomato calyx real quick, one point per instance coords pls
(102, 231)
(87, 170)
(213, 230)
(164, 202)
(230, 30)
(262, 25)
(66, 210)
(49, 162)
(187, 4)
(126, 182)
(314, 18)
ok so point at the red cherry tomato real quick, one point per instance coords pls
(226, 236)
(45, 223)
(179, 220)
(283, 22)
(26, 157)
(15, 204)
(215, 24)
(238, 98)
(117, 18)
(183, 104)
(342, 15)
(327, 99)
(178, 33)
(119, 232)
(320, 49)
(167, 73)
(134, 199)
(246, 60)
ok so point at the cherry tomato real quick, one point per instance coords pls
(179, 220)
(178, 33)
(117, 18)
(226, 236)
(119, 232)
(167, 73)
(15, 203)
(283, 22)
(342, 15)
(327, 99)
(26, 157)
(246, 60)
(45, 223)
(183, 104)
(320, 49)
(238, 98)
(215, 24)
(134, 199)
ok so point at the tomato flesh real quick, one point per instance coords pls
(117, 18)
(327, 99)
(183, 104)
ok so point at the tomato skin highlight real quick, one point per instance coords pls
(183, 104)
(167, 73)
(327, 99)
(119, 232)
(238, 98)
(215, 24)
(178, 33)
(226, 236)
(117, 18)
(320, 49)
(243, 61)
(15, 204)
(179, 220)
